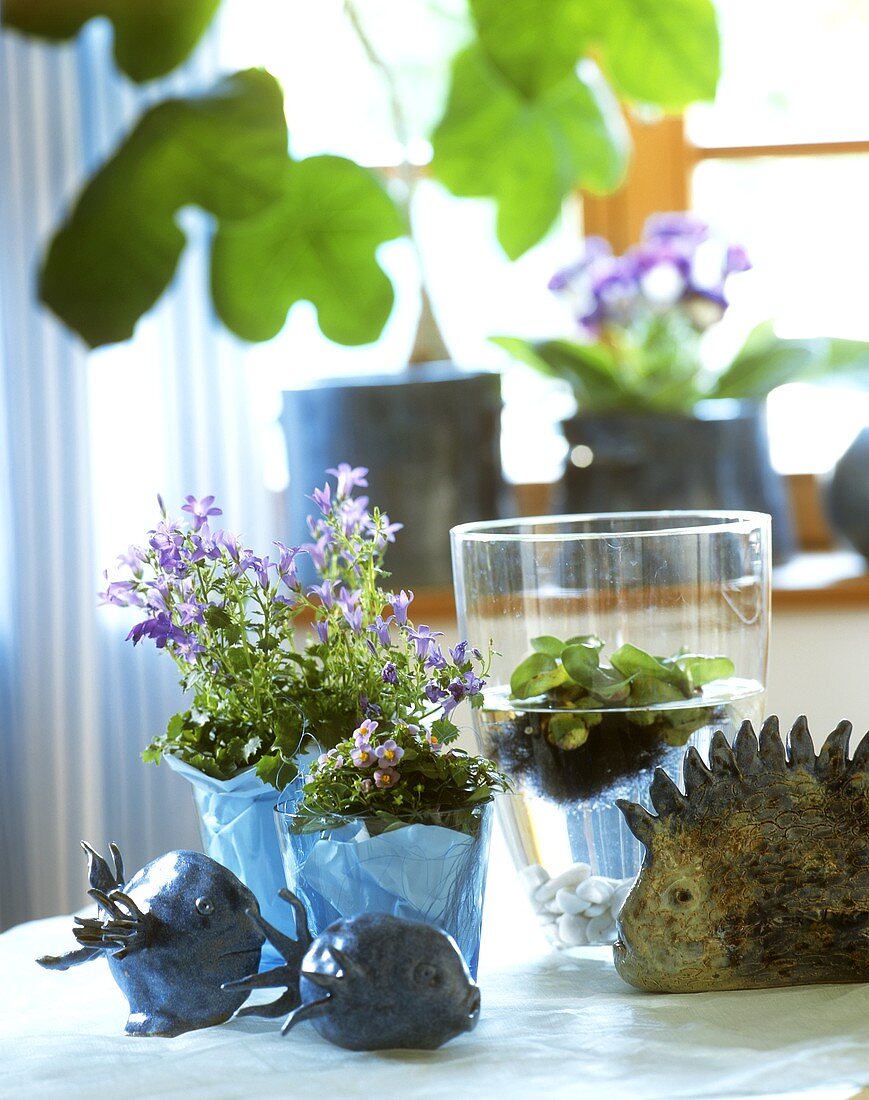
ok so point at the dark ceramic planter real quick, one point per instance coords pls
(718, 459)
(847, 495)
(431, 439)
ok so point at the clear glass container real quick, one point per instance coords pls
(432, 871)
(643, 601)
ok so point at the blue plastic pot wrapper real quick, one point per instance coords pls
(237, 826)
(419, 872)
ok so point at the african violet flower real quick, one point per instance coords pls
(640, 317)
(263, 688)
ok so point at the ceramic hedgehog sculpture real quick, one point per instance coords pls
(758, 875)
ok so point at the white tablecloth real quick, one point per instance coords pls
(550, 1028)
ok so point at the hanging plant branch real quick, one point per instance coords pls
(152, 37)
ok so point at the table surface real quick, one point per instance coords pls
(550, 1027)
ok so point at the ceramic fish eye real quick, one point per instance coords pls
(205, 906)
(426, 975)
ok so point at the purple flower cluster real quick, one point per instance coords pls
(678, 263)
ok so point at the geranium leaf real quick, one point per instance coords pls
(318, 243)
(534, 44)
(152, 37)
(526, 152)
(117, 252)
(666, 54)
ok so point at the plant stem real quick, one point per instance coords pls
(429, 344)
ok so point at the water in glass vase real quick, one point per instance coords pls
(567, 773)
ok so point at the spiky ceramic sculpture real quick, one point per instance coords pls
(370, 982)
(758, 875)
(171, 936)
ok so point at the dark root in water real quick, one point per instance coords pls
(616, 750)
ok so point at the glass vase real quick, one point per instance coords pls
(433, 872)
(665, 583)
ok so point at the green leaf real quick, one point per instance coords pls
(629, 660)
(532, 666)
(568, 731)
(699, 669)
(153, 754)
(662, 53)
(764, 362)
(591, 370)
(647, 691)
(543, 682)
(526, 153)
(152, 37)
(117, 253)
(445, 730)
(581, 660)
(533, 44)
(590, 640)
(318, 243)
(547, 644)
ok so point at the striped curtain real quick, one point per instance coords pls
(86, 441)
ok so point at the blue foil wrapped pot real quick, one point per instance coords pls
(237, 827)
(433, 872)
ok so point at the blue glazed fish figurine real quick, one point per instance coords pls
(370, 982)
(172, 936)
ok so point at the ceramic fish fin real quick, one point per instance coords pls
(284, 1004)
(100, 875)
(71, 958)
(124, 928)
(833, 757)
(310, 1011)
(291, 950)
(303, 934)
(800, 745)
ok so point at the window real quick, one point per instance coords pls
(780, 162)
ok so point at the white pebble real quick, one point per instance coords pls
(598, 910)
(552, 907)
(570, 877)
(594, 891)
(601, 929)
(568, 902)
(571, 931)
(533, 876)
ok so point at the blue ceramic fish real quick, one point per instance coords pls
(370, 982)
(172, 936)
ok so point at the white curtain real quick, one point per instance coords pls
(86, 442)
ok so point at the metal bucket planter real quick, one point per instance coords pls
(430, 438)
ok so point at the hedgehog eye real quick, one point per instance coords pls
(680, 895)
(205, 906)
(427, 975)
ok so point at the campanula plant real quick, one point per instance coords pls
(232, 621)
(640, 318)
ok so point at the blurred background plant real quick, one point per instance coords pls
(641, 319)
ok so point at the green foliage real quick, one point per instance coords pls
(316, 243)
(151, 36)
(665, 376)
(224, 152)
(523, 126)
(581, 687)
(528, 154)
(661, 53)
(423, 779)
(229, 620)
